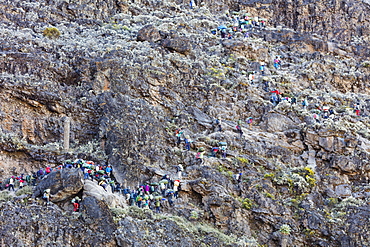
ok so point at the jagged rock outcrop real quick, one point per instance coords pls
(63, 184)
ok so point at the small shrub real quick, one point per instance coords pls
(243, 160)
(194, 215)
(118, 211)
(4, 196)
(247, 203)
(27, 190)
(269, 175)
(285, 229)
(51, 33)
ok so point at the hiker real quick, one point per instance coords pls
(48, 169)
(176, 186)
(170, 198)
(133, 196)
(251, 77)
(200, 155)
(157, 205)
(275, 98)
(103, 184)
(238, 177)
(304, 103)
(192, 4)
(262, 68)
(178, 134)
(108, 170)
(21, 183)
(187, 141)
(11, 183)
(265, 85)
(357, 109)
(40, 173)
(46, 195)
(316, 118)
(33, 179)
(112, 185)
(139, 200)
(250, 122)
(214, 151)
(218, 123)
(118, 188)
(293, 101)
(86, 172)
(223, 152)
(180, 168)
(76, 203)
(239, 128)
(277, 62)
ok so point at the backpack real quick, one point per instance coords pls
(238, 127)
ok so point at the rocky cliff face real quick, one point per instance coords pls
(128, 74)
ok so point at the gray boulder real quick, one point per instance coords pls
(63, 184)
(179, 44)
(149, 33)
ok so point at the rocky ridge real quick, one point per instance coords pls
(127, 86)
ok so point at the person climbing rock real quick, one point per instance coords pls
(11, 183)
(118, 188)
(265, 85)
(239, 128)
(200, 156)
(304, 103)
(103, 184)
(223, 152)
(180, 168)
(176, 189)
(187, 141)
(47, 196)
(112, 184)
(357, 109)
(192, 4)
(108, 170)
(21, 183)
(178, 134)
(158, 205)
(250, 122)
(218, 123)
(274, 98)
(48, 169)
(76, 203)
(214, 151)
(251, 77)
(262, 68)
(277, 62)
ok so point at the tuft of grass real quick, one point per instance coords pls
(51, 33)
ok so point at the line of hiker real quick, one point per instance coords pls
(22, 180)
(218, 151)
(239, 23)
(154, 195)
